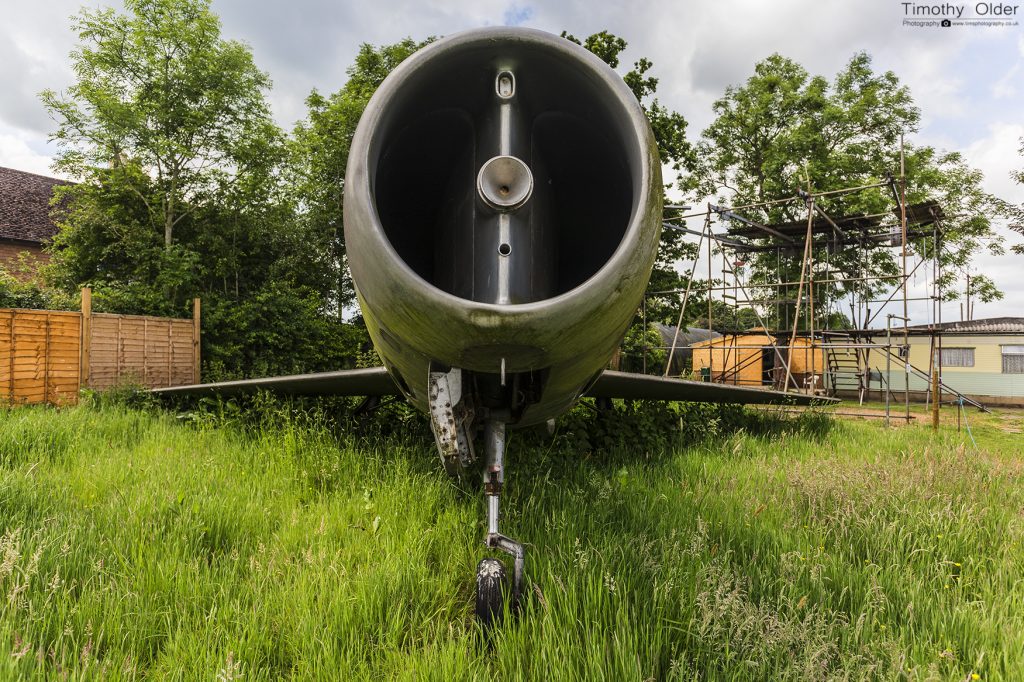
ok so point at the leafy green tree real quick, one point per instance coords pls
(642, 350)
(181, 192)
(161, 96)
(1016, 213)
(785, 130)
(107, 241)
(166, 125)
(676, 153)
(724, 316)
(319, 155)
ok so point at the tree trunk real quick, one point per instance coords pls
(169, 216)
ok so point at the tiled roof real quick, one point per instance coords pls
(989, 326)
(25, 206)
(686, 336)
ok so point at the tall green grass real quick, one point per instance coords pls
(134, 545)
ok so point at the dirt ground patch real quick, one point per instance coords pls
(1006, 419)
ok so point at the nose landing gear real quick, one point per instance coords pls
(491, 578)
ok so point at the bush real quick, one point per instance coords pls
(30, 293)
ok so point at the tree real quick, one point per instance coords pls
(785, 130)
(676, 152)
(20, 291)
(1016, 213)
(182, 192)
(160, 95)
(319, 155)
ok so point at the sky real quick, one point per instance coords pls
(967, 79)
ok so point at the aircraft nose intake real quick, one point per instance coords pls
(506, 168)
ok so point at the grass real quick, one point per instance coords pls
(136, 546)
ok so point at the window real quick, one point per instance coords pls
(958, 357)
(1013, 359)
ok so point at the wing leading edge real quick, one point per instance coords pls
(612, 384)
(370, 381)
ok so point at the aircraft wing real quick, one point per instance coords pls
(612, 384)
(370, 381)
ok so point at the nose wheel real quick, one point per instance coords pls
(492, 582)
(491, 590)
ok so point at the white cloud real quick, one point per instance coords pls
(1006, 86)
(15, 152)
(997, 155)
(35, 39)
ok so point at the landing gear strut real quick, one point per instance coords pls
(491, 578)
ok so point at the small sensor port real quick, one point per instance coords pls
(505, 85)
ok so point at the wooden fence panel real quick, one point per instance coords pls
(6, 354)
(149, 351)
(45, 355)
(181, 362)
(39, 356)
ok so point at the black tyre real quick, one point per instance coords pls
(491, 591)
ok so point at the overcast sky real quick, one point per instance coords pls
(968, 80)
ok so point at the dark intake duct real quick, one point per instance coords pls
(470, 105)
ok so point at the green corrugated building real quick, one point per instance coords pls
(983, 359)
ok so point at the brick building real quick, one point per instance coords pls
(25, 224)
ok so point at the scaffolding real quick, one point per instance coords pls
(851, 358)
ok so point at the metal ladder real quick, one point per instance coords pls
(844, 365)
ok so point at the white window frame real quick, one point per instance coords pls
(966, 352)
(1016, 352)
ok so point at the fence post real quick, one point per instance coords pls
(10, 376)
(145, 351)
(170, 351)
(195, 339)
(85, 346)
(46, 357)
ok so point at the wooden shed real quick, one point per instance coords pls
(757, 358)
(806, 364)
(747, 359)
(679, 343)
